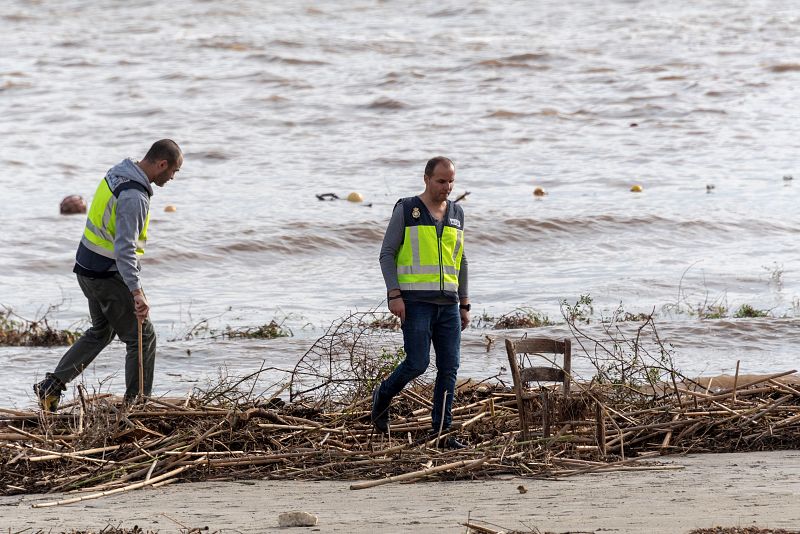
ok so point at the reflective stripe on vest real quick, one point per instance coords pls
(427, 263)
(101, 224)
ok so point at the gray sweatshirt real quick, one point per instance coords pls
(133, 205)
(393, 240)
(132, 208)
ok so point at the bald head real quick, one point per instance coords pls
(430, 167)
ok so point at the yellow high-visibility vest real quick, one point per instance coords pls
(101, 224)
(427, 263)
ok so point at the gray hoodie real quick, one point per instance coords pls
(133, 205)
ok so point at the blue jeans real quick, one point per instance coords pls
(426, 323)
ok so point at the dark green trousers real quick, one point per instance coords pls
(112, 313)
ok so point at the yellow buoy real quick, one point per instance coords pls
(636, 188)
(170, 208)
(539, 192)
(355, 197)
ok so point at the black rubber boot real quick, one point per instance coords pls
(49, 392)
(380, 410)
(445, 442)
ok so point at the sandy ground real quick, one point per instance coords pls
(743, 489)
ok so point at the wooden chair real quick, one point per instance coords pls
(523, 375)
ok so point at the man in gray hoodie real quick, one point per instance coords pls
(107, 266)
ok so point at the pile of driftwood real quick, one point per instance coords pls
(100, 446)
(636, 407)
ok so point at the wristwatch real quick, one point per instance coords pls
(467, 307)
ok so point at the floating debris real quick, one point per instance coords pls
(462, 196)
(73, 204)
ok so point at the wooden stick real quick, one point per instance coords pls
(612, 465)
(784, 387)
(668, 437)
(114, 491)
(481, 529)
(141, 360)
(735, 380)
(420, 474)
(771, 408)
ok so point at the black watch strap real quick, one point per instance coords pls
(467, 307)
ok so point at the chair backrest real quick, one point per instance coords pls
(540, 345)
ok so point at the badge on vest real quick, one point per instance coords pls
(415, 213)
(455, 222)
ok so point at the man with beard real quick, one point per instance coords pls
(108, 271)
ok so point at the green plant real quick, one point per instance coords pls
(580, 312)
(522, 318)
(484, 320)
(631, 361)
(746, 311)
(620, 315)
(386, 362)
(711, 311)
(270, 330)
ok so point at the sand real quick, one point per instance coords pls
(742, 489)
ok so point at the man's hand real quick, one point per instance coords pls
(464, 319)
(397, 307)
(140, 304)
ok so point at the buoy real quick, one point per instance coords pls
(710, 187)
(539, 192)
(72, 204)
(169, 208)
(355, 197)
(636, 188)
(788, 178)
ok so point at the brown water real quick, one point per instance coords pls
(276, 102)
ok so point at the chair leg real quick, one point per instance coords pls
(600, 417)
(521, 410)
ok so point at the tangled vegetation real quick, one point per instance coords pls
(18, 331)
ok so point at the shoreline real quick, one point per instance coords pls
(732, 489)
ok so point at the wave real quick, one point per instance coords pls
(286, 43)
(544, 112)
(452, 12)
(269, 58)
(210, 155)
(504, 64)
(386, 103)
(528, 229)
(305, 238)
(7, 86)
(785, 67)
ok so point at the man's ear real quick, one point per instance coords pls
(163, 164)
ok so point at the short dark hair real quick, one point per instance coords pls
(164, 149)
(433, 162)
